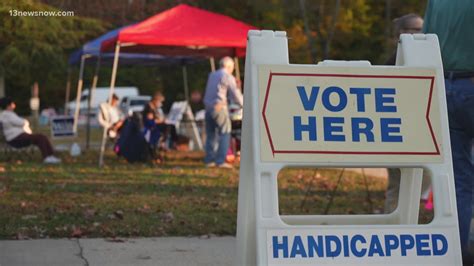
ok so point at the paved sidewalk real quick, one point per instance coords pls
(218, 251)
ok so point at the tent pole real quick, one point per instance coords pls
(89, 101)
(68, 89)
(79, 92)
(112, 88)
(237, 69)
(185, 81)
(213, 63)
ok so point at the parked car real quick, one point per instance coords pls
(133, 104)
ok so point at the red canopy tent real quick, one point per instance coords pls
(184, 31)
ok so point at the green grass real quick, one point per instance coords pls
(179, 198)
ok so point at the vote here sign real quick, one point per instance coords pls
(349, 114)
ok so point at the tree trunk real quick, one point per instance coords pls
(311, 45)
(388, 26)
(332, 29)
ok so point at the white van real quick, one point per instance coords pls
(101, 94)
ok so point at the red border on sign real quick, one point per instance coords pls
(431, 78)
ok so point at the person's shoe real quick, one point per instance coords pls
(52, 160)
(210, 165)
(226, 166)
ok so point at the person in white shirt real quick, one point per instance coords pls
(111, 117)
(18, 133)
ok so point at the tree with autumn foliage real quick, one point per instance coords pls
(36, 48)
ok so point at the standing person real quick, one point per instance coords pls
(220, 85)
(409, 23)
(452, 21)
(18, 133)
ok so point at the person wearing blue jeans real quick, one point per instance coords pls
(220, 89)
(213, 131)
(452, 21)
(460, 100)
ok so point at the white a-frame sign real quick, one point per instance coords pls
(345, 114)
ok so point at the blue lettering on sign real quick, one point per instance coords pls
(333, 246)
(391, 243)
(315, 246)
(423, 245)
(407, 243)
(390, 125)
(308, 102)
(335, 128)
(381, 99)
(341, 95)
(360, 93)
(277, 246)
(436, 241)
(298, 248)
(299, 128)
(358, 246)
(362, 125)
(375, 247)
(345, 243)
(358, 252)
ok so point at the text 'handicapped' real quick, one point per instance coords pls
(358, 246)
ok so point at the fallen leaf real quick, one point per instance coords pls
(76, 232)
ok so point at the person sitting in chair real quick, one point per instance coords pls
(152, 117)
(155, 117)
(18, 133)
(110, 117)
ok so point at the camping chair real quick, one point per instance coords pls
(10, 152)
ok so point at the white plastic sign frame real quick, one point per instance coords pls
(264, 237)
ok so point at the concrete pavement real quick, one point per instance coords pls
(192, 251)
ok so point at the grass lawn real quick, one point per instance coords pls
(180, 198)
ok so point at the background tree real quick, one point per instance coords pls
(36, 49)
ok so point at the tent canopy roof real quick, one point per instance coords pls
(184, 30)
(92, 49)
